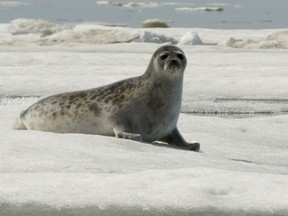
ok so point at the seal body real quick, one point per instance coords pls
(144, 108)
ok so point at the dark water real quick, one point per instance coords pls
(237, 14)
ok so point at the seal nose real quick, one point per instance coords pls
(174, 61)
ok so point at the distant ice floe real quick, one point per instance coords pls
(218, 4)
(278, 40)
(103, 2)
(9, 4)
(208, 9)
(156, 23)
(137, 5)
(190, 38)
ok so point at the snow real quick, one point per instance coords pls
(242, 167)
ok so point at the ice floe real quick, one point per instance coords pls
(156, 23)
(7, 4)
(136, 5)
(208, 9)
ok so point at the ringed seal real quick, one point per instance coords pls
(144, 108)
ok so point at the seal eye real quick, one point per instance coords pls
(163, 56)
(180, 56)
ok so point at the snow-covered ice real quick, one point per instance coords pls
(242, 168)
(41, 32)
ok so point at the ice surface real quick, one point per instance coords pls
(242, 167)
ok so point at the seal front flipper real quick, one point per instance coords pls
(120, 133)
(175, 138)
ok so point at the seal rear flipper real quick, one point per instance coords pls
(19, 125)
(175, 138)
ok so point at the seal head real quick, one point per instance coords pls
(172, 63)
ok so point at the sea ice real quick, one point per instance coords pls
(242, 166)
